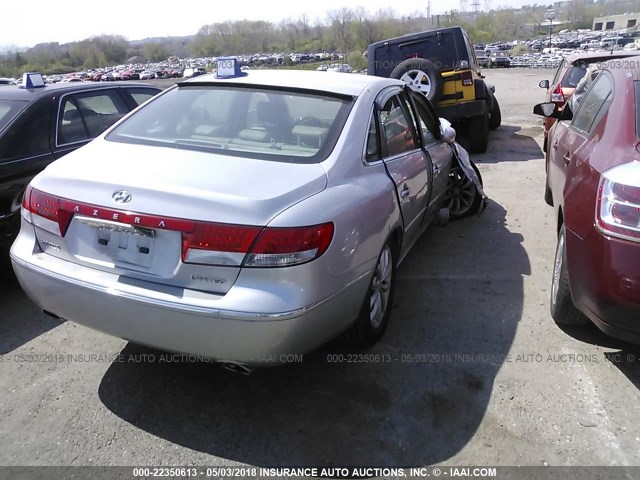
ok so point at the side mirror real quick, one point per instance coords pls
(544, 84)
(448, 135)
(547, 109)
(447, 132)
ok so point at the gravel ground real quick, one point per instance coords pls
(479, 373)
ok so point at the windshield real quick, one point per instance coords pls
(251, 122)
(8, 110)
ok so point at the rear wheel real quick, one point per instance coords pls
(563, 310)
(496, 116)
(376, 307)
(478, 133)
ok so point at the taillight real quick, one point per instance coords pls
(218, 243)
(46, 206)
(467, 78)
(618, 203)
(557, 95)
(278, 247)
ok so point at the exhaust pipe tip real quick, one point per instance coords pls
(238, 368)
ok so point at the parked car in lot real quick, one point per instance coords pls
(483, 59)
(499, 59)
(243, 217)
(442, 65)
(593, 183)
(193, 72)
(39, 125)
(567, 76)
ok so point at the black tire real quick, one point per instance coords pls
(495, 117)
(462, 197)
(478, 133)
(421, 75)
(563, 310)
(367, 330)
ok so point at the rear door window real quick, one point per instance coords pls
(84, 116)
(395, 123)
(595, 104)
(141, 95)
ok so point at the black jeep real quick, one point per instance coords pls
(442, 64)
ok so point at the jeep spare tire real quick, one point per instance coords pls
(422, 76)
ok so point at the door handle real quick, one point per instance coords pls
(555, 145)
(405, 191)
(436, 168)
(566, 158)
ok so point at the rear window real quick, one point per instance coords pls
(574, 75)
(8, 110)
(252, 122)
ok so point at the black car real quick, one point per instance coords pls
(40, 125)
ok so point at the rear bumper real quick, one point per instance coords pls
(118, 307)
(462, 110)
(605, 282)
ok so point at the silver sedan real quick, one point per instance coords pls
(243, 217)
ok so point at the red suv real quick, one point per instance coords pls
(593, 177)
(569, 73)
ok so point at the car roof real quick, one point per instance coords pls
(604, 56)
(14, 92)
(333, 82)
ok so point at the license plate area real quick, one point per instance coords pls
(125, 245)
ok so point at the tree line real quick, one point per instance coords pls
(346, 30)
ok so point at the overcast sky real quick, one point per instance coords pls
(26, 23)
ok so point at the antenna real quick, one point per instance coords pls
(475, 5)
(428, 8)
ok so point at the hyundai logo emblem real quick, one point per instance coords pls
(121, 196)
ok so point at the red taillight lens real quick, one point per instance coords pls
(618, 203)
(467, 78)
(557, 95)
(290, 246)
(44, 204)
(217, 243)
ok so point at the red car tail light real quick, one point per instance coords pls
(218, 243)
(279, 247)
(467, 78)
(618, 202)
(557, 95)
(223, 244)
(46, 206)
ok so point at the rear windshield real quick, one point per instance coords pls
(8, 110)
(574, 75)
(251, 122)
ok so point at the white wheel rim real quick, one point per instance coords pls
(418, 81)
(557, 269)
(380, 288)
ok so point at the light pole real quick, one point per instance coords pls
(550, 15)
